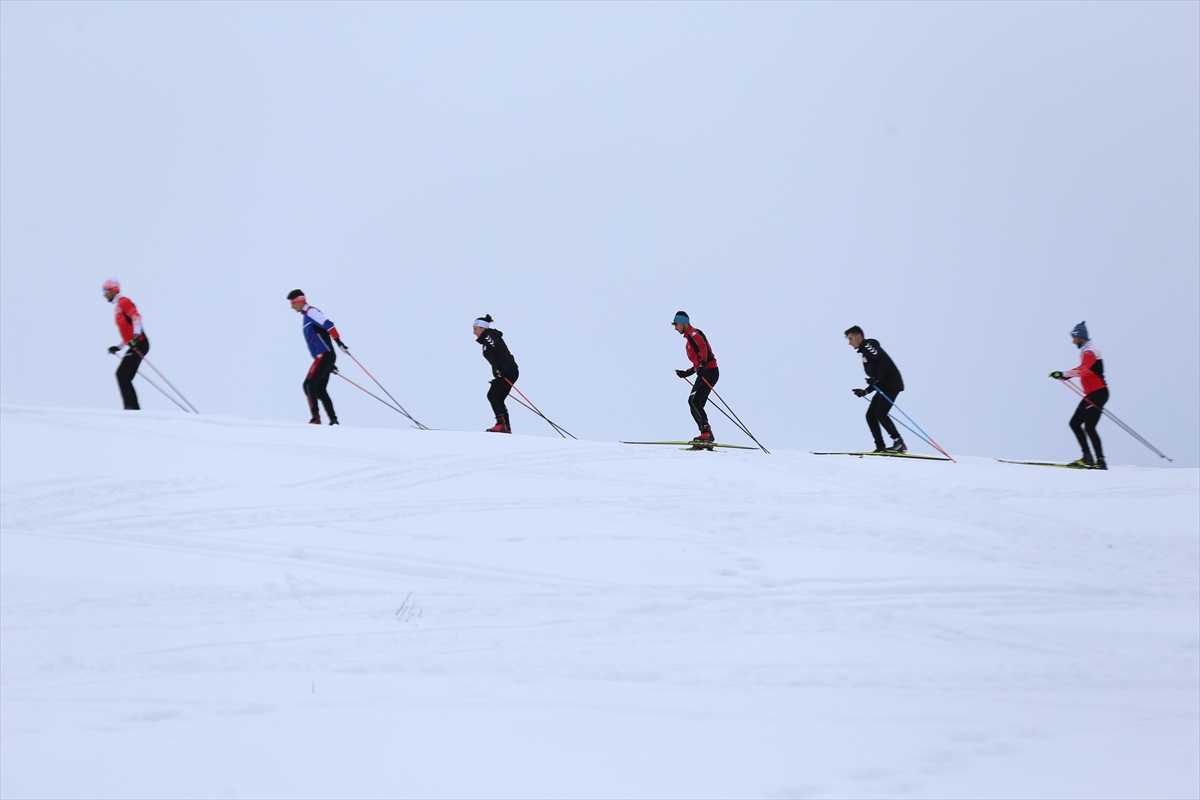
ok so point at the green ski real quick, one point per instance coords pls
(862, 453)
(1045, 464)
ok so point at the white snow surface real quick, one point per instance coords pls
(221, 607)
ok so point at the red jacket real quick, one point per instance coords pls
(1090, 370)
(129, 321)
(698, 350)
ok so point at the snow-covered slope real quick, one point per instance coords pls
(208, 607)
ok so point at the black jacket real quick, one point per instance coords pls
(496, 352)
(881, 370)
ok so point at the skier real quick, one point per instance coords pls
(320, 334)
(129, 323)
(704, 367)
(504, 370)
(1095, 389)
(883, 378)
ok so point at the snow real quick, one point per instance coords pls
(223, 607)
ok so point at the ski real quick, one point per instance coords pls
(705, 446)
(1044, 464)
(862, 453)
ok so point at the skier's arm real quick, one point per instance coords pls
(1085, 365)
(325, 322)
(130, 310)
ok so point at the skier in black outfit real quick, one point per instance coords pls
(883, 378)
(504, 370)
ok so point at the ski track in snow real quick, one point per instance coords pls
(521, 616)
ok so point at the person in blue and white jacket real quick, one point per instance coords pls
(320, 334)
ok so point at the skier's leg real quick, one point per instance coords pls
(884, 412)
(696, 402)
(1076, 423)
(310, 391)
(1092, 419)
(125, 372)
(321, 384)
(878, 406)
(497, 393)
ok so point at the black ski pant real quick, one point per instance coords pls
(316, 384)
(127, 369)
(1085, 418)
(498, 393)
(706, 379)
(877, 415)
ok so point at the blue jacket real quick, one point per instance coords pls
(318, 329)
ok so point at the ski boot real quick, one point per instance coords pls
(898, 446)
(501, 426)
(315, 421)
(333, 421)
(704, 440)
(1083, 463)
(1100, 463)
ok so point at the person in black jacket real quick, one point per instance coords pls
(504, 370)
(883, 378)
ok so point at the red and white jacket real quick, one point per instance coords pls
(129, 321)
(698, 349)
(1090, 370)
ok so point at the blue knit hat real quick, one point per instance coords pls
(681, 316)
(1080, 331)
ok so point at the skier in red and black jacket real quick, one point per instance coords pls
(129, 324)
(1095, 390)
(883, 378)
(704, 367)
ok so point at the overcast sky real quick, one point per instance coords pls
(964, 181)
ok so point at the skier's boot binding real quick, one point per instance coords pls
(1083, 463)
(501, 426)
(704, 440)
(897, 446)
(1100, 464)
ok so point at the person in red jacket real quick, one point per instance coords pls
(704, 367)
(129, 324)
(1095, 394)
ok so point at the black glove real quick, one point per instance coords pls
(860, 392)
(683, 373)
(1057, 374)
(341, 344)
(112, 351)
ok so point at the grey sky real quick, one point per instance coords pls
(965, 181)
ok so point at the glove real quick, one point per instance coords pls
(1057, 374)
(341, 344)
(112, 351)
(132, 342)
(683, 373)
(860, 392)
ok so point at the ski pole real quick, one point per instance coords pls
(906, 427)
(399, 407)
(164, 377)
(731, 416)
(1115, 419)
(367, 391)
(561, 430)
(168, 382)
(928, 438)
